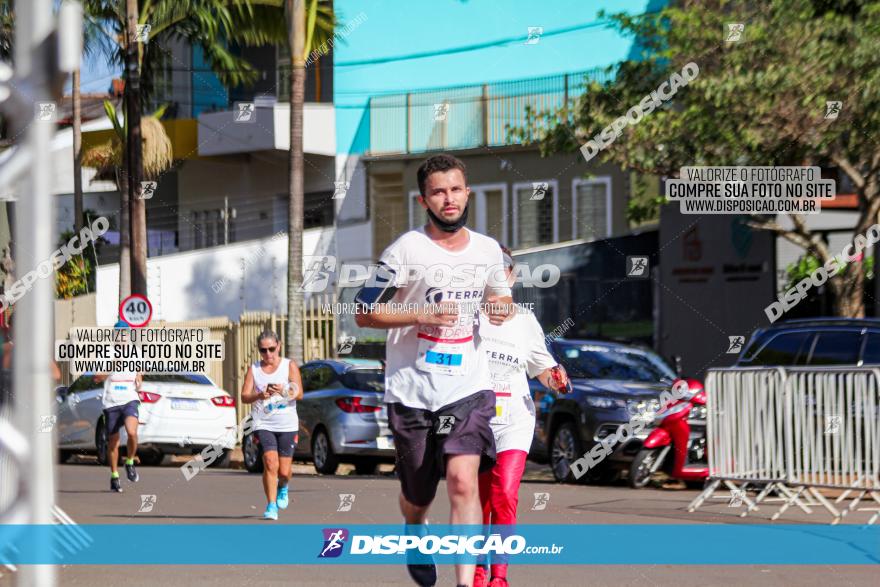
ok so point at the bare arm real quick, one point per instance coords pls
(499, 309)
(248, 393)
(295, 379)
(382, 316)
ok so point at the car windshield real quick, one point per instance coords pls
(177, 378)
(364, 379)
(604, 362)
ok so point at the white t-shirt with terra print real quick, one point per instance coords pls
(428, 367)
(514, 349)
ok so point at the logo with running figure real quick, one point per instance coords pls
(334, 541)
(444, 426)
(541, 501)
(316, 277)
(346, 500)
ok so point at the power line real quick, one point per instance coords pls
(476, 46)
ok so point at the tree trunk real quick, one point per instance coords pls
(124, 236)
(77, 156)
(296, 33)
(133, 152)
(849, 299)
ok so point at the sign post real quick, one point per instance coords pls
(136, 311)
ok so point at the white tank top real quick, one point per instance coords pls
(277, 414)
(119, 389)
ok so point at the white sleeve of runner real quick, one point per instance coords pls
(496, 284)
(538, 358)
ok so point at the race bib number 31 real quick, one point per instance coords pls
(444, 355)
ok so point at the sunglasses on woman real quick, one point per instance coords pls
(270, 349)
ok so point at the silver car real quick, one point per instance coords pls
(342, 418)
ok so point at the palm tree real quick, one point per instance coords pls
(93, 42)
(108, 158)
(305, 34)
(211, 25)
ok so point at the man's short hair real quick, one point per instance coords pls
(437, 163)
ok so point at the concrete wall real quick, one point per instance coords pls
(78, 311)
(256, 186)
(219, 281)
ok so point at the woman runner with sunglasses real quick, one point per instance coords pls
(273, 384)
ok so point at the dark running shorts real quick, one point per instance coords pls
(114, 418)
(281, 442)
(423, 439)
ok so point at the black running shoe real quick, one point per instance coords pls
(115, 485)
(132, 473)
(424, 574)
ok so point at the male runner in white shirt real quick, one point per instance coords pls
(437, 385)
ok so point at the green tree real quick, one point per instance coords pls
(77, 276)
(212, 25)
(758, 101)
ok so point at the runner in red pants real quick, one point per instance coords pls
(514, 348)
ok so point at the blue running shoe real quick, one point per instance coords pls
(282, 498)
(271, 512)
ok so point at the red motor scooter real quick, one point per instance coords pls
(677, 444)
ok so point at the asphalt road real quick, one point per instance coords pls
(235, 497)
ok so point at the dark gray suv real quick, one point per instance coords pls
(611, 385)
(815, 341)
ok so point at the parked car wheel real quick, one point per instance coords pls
(222, 461)
(565, 448)
(366, 466)
(151, 458)
(325, 460)
(601, 474)
(101, 441)
(253, 453)
(640, 469)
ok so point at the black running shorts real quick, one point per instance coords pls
(423, 439)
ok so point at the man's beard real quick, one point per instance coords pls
(449, 226)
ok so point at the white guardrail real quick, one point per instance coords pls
(807, 435)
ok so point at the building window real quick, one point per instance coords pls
(591, 208)
(317, 211)
(535, 213)
(212, 228)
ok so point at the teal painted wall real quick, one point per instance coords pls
(367, 62)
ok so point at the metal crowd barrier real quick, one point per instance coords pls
(795, 435)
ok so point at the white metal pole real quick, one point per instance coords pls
(33, 328)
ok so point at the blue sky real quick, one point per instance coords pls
(574, 39)
(96, 76)
(440, 28)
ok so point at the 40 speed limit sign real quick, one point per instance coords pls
(136, 310)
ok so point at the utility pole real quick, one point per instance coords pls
(225, 220)
(133, 152)
(77, 155)
(29, 97)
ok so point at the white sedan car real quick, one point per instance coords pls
(180, 413)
